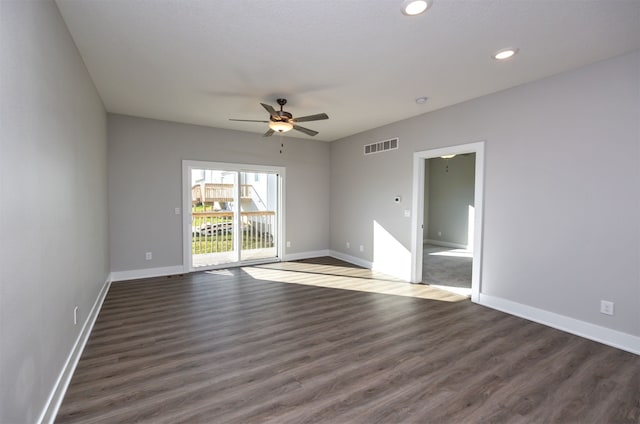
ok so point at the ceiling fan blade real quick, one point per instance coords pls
(316, 117)
(307, 131)
(272, 111)
(247, 120)
(269, 133)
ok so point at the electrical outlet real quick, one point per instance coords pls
(439, 233)
(75, 316)
(176, 211)
(606, 307)
(348, 245)
(288, 243)
(407, 213)
(149, 256)
(361, 248)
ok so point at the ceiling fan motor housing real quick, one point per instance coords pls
(284, 116)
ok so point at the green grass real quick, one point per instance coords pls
(218, 243)
(224, 243)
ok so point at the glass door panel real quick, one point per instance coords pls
(214, 198)
(259, 197)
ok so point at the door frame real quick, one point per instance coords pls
(187, 166)
(417, 222)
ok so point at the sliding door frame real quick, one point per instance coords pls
(187, 167)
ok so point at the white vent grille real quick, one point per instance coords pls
(381, 146)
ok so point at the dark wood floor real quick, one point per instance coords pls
(231, 347)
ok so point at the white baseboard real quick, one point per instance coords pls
(446, 244)
(351, 259)
(50, 410)
(610, 337)
(136, 274)
(305, 255)
(393, 272)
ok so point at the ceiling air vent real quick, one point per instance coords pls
(381, 146)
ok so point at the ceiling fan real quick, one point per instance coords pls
(282, 121)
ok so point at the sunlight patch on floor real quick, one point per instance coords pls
(456, 253)
(346, 278)
(345, 271)
(462, 291)
(219, 272)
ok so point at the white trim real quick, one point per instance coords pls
(306, 255)
(51, 407)
(281, 233)
(136, 274)
(397, 273)
(234, 265)
(351, 259)
(417, 217)
(186, 214)
(610, 337)
(417, 224)
(446, 244)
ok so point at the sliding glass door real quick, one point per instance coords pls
(233, 214)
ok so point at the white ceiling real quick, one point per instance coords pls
(360, 61)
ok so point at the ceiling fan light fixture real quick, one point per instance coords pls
(504, 54)
(415, 7)
(280, 126)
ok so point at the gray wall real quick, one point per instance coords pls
(53, 223)
(562, 184)
(145, 177)
(449, 185)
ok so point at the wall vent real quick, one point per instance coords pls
(381, 146)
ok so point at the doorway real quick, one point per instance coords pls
(448, 222)
(233, 214)
(451, 241)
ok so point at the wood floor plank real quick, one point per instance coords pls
(312, 342)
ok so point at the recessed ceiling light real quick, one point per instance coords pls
(503, 54)
(422, 100)
(415, 7)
